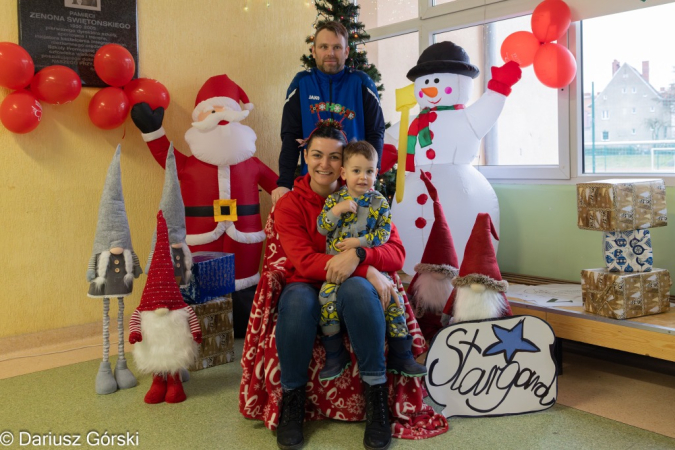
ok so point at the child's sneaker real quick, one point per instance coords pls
(400, 359)
(337, 357)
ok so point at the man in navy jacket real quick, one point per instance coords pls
(328, 92)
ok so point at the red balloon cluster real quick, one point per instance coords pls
(20, 111)
(554, 65)
(110, 106)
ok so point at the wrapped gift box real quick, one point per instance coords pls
(622, 295)
(628, 251)
(622, 205)
(215, 320)
(212, 277)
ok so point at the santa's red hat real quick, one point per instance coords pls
(220, 91)
(161, 289)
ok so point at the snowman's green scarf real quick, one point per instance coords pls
(419, 129)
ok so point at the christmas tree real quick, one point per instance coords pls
(347, 13)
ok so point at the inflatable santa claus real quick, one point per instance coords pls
(219, 182)
(480, 291)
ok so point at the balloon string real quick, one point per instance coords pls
(124, 132)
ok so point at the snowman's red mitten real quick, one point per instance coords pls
(197, 337)
(135, 337)
(504, 77)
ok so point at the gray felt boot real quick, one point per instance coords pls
(105, 381)
(125, 379)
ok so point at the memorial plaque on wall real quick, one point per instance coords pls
(69, 32)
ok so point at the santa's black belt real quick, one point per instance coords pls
(207, 211)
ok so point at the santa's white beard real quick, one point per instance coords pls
(470, 305)
(167, 344)
(430, 293)
(224, 145)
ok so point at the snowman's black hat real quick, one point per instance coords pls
(443, 57)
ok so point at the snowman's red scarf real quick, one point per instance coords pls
(419, 129)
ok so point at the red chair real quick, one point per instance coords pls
(341, 398)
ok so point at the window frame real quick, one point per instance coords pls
(466, 13)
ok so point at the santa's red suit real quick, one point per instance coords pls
(215, 172)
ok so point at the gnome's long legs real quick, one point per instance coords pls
(125, 379)
(105, 381)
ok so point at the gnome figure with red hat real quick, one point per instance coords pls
(480, 292)
(431, 286)
(164, 329)
(222, 171)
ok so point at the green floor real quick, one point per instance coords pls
(62, 401)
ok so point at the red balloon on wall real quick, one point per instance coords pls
(114, 65)
(520, 47)
(550, 20)
(16, 66)
(109, 108)
(20, 112)
(149, 91)
(56, 85)
(554, 65)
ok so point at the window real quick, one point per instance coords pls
(378, 13)
(644, 67)
(603, 51)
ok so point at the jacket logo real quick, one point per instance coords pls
(314, 97)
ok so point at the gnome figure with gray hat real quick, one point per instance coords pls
(173, 209)
(111, 272)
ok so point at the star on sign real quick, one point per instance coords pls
(510, 342)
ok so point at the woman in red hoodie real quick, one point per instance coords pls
(363, 294)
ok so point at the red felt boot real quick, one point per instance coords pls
(174, 392)
(157, 391)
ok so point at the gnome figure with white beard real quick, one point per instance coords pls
(480, 292)
(431, 286)
(164, 329)
(111, 272)
(219, 182)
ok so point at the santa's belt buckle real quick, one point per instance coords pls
(225, 210)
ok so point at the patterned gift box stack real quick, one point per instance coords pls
(629, 286)
(215, 320)
(212, 277)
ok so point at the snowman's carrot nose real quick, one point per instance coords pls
(430, 92)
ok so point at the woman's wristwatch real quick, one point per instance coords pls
(361, 253)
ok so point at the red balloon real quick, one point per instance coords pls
(16, 66)
(554, 65)
(520, 47)
(114, 65)
(56, 85)
(109, 108)
(149, 91)
(550, 20)
(20, 112)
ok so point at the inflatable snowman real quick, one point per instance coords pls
(443, 141)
